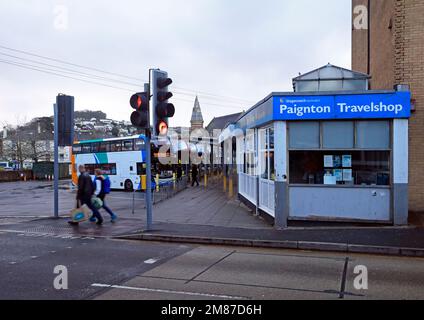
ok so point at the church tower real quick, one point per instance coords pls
(196, 116)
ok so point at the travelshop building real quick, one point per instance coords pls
(330, 151)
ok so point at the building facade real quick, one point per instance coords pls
(390, 48)
(332, 150)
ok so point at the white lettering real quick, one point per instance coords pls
(60, 282)
(361, 281)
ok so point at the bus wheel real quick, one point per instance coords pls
(128, 186)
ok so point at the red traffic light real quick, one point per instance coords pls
(140, 101)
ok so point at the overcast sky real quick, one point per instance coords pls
(238, 50)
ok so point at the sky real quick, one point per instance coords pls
(230, 53)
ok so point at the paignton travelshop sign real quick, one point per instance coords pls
(357, 106)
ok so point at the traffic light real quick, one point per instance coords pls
(162, 109)
(65, 108)
(140, 117)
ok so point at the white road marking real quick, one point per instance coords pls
(151, 261)
(209, 295)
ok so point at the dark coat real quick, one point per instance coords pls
(85, 187)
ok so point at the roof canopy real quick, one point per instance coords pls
(331, 78)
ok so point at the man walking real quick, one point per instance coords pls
(194, 175)
(84, 194)
(102, 185)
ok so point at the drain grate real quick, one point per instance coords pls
(68, 230)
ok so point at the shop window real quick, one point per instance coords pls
(266, 154)
(304, 135)
(250, 168)
(373, 135)
(366, 168)
(337, 134)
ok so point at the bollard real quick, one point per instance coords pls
(225, 183)
(230, 188)
(206, 180)
(157, 182)
(174, 180)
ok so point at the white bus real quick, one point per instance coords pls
(122, 159)
(5, 166)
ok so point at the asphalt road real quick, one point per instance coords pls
(27, 263)
(110, 269)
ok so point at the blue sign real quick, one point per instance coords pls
(356, 106)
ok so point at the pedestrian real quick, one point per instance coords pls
(102, 188)
(85, 193)
(194, 175)
(179, 172)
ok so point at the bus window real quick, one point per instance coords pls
(116, 146)
(127, 145)
(86, 148)
(109, 169)
(141, 168)
(139, 144)
(76, 149)
(104, 147)
(95, 147)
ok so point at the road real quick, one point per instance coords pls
(112, 269)
(102, 267)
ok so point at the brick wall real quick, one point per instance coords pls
(409, 69)
(359, 43)
(397, 57)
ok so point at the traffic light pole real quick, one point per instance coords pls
(56, 161)
(149, 206)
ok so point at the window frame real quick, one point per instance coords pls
(355, 140)
(354, 149)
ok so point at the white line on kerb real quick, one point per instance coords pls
(98, 285)
(151, 261)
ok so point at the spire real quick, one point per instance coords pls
(196, 116)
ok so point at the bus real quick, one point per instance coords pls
(122, 159)
(4, 165)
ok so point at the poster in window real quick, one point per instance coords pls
(347, 175)
(338, 173)
(329, 178)
(337, 162)
(347, 161)
(328, 162)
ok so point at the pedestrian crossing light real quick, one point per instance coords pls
(162, 109)
(140, 117)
